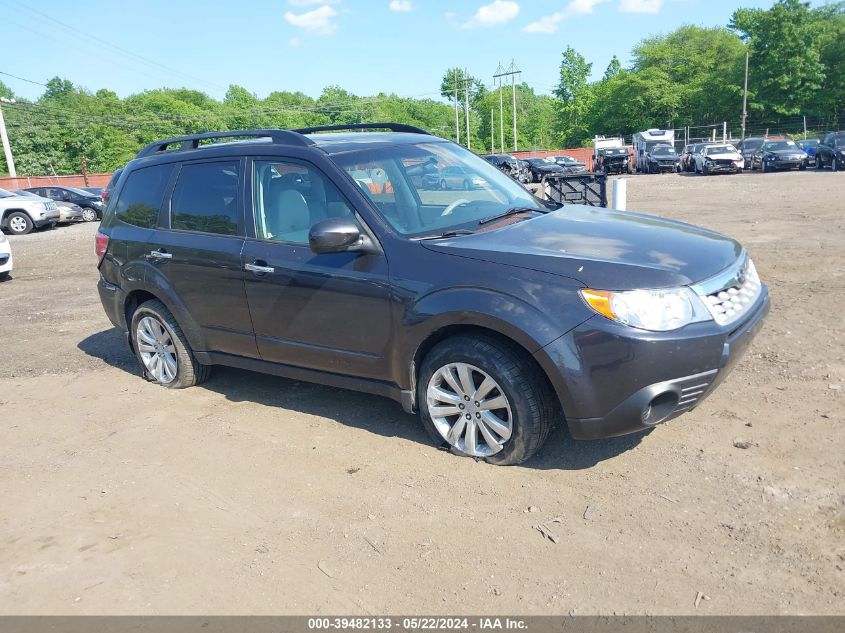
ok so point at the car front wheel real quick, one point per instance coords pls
(818, 162)
(163, 350)
(88, 214)
(834, 164)
(484, 399)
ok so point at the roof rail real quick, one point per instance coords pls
(393, 127)
(191, 141)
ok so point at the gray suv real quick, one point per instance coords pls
(490, 313)
(21, 214)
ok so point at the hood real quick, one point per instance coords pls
(602, 248)
(725, 156)
(787, 153)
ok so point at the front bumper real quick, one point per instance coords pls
(6, 262)
(725, 168)
(69, 215)
(786, 164)
(613, 381)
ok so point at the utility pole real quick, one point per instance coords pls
(498, 75)
(745, 96)
(85, 170)
(466, 101)
(7, 149)
(493, 134)
(457, 119)
(511, 72)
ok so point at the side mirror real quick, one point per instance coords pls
(337, 235)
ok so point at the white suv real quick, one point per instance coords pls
(20, 214)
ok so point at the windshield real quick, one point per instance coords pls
(566, 159)
(80, 192)
(839, 141)
(719, 149)
(664, 149)
(779, 145)
(432, 188)
(5, 194)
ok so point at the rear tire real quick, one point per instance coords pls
(88, 214)
(834, 164)
(19, 223)
(503, 435)
(443, 185)
(818, 162)
(161, 347)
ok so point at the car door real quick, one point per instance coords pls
(328, 312)
(197, 252)
(825, 150)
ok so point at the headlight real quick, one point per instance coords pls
(2, 237)
(655, 310)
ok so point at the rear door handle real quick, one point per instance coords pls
(161, 255)
(257, 268)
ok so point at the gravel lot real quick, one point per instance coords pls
(255, 494)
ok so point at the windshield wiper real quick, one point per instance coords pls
(509, 212)
(439, 236)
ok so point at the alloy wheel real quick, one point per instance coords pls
(17, 224)
(156, 349)
(469, 409)
(88, 214)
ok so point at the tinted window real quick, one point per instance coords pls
(206, 198)
(290, 198)
(141, 196)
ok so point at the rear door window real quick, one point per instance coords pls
(205, 198)
(142, 195)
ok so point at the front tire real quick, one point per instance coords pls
(161, 347)
(19, 223)
(88, 214)
(484, 399)
(834, 164)
(443, 185)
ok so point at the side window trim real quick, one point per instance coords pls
(250, 203)
(164, 218)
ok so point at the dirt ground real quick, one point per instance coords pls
(255, 494)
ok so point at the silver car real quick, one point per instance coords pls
(20, 214)
(68, 212)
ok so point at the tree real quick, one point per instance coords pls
(575, 95)
(784, 55)
(613, 68)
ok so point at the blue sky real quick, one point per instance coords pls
(365, 46)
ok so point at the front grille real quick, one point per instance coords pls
(724, 162)
(729, 296)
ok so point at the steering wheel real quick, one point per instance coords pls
(448, 210)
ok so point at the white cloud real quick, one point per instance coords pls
(550, 23)
(319, 21)
(493, 14)
(310, 3)
(403, 6)
(294, 42)
(641, 6)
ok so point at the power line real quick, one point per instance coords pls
(30, 81)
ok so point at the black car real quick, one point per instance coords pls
(831, 151)
(612, 160)
(778, 155)
(507, 164)
(661, 159)
(748, 147)
(110, 185)
(491, 313)
(570, 165)
(97, 191)
(540, 167)
(91, 204)
(686, 160)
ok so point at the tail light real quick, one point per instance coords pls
(101, 245)
(104, 194)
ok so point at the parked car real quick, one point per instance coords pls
(719, 158)
(92, 205)
(453, 177)
(612, 160)
(524, 171)
(540, 167)
(570, 165)
(22, 214)
(490, 313)
(686, 160)
(831, 151)
(748, 147)
(508, 165)
(662, 158)
(775, 155)
(97, 191)
(68, 212)
(6, 262)
(809, 145)
(111, 184)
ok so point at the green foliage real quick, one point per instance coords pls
(575, 94)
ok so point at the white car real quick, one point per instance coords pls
(721, 158)
(20, 214)
(5, 257)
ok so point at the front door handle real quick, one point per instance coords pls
(257, 268)
(161, 255)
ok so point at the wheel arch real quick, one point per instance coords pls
(8, 212)
(189, 327)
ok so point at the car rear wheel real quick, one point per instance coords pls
(818, 162)
(163, 350)
(19, 223)
(834, 164)
(443, 185)
(88, 214)
(466, 185)
(484, 399)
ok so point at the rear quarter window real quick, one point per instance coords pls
(141, 197)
